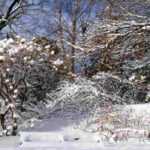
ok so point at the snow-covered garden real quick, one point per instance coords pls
(74, 75)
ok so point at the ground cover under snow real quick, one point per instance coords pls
(65, 134)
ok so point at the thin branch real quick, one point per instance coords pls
(73, 45)
(11, 7)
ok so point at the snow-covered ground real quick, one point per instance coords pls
(64, 134)
(89, 146)
(11, 143)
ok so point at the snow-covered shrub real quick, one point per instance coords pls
(123, 48)
(27, 73)
(117, 87)
(85, 95)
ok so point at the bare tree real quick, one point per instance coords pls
(71, 17)
(13, 11)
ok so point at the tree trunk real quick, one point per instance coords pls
(75, 13)
(61, 32)
(74, 24)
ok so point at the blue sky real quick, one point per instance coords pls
(36, 22)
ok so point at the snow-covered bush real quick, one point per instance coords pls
(27, 73)
(85, 95)
(123, 47)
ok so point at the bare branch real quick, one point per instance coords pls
(11, 7)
